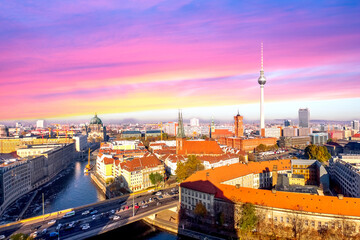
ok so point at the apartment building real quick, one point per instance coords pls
(345, 172)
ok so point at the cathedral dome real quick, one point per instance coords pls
(96, 120)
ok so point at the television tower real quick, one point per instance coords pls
(262, 81)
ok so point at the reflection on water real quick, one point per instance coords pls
(76, 189)
(137, 230)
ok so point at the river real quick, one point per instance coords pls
(72, 188)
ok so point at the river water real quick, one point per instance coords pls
(72, 188)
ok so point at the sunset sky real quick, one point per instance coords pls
(147, 58)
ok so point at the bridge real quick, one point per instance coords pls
(98, 216)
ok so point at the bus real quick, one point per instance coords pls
(69, 214)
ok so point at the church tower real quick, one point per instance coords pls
(180, 136)
(239, 129)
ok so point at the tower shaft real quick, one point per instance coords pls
(262, 117)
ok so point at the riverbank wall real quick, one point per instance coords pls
(100, 184)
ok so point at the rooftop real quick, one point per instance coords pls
(210, 181)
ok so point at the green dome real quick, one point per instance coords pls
(96, 120)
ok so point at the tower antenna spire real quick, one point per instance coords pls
(262, 58)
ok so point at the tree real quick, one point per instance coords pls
(184, 170)
(251, 157)
(319, 153)
(248, 218)
(200, 210)
(21, 236)
(156, 178)
(261, 148)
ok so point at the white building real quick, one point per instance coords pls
(319, 138)
(345, 172)
(355, 125)
(194, 122)
(170, 128)
(81, 143)
(40, 123)
(273, 132)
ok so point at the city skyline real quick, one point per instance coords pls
(69, 60)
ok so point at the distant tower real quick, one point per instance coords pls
(239, 129)
(262, 81)
(212, 127)
(304, 117)
(180, 136)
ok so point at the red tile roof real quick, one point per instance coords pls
(200, 148)
(286, 200)
(138, 164)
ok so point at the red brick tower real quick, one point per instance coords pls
(239, 129)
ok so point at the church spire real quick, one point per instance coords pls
(180, 131)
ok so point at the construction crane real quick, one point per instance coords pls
(156, 124)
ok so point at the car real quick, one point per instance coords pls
(85, 212)
(94, 212)
(145, 206)
(112, 211)
(53, 234)
(59, 226)
(2, 237)
(93, 217)
(160, 197)
(116, 217)
(136, 206)
(158, 193)
(85, 227)
(52, 221)
(44, 231)
(150, 199)
(34, 234)
(35, 227)
(126, 207)
(158, 203)
(143, 202)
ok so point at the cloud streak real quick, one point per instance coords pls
(63, 58)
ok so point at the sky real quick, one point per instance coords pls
(64, 59)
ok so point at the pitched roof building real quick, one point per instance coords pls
(230, 186)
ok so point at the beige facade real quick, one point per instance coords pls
(9, 145)
(19, 176)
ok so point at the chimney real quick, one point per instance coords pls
(237, 186)
(340, 196)
(273, 190)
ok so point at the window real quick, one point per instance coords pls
(281, 219)
(319, 224)
(275, 219)
(306, 222)
(287, 220)
(313, 223)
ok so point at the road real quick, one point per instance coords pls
(98, 222)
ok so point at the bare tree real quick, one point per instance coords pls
(297, 223)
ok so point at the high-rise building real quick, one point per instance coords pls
(304, 117)
(287, 123)
(194, 122)
(40, 123)
(239, 129)
(355, 125)
(262, 81)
